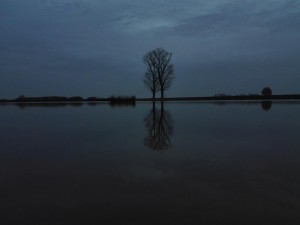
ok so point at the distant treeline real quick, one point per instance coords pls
(125, 100)
(229, 97)
(122, 101)
(74, 99)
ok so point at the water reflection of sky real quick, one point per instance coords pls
(227, 163)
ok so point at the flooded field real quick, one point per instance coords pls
(176, 163)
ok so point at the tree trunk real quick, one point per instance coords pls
(153, 95)
(162, 94)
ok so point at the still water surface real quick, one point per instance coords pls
(177, 163)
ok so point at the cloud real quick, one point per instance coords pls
(237, 16)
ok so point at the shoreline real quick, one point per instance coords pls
(63, 100)
(227, 98)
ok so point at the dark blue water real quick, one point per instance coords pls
(177, 163)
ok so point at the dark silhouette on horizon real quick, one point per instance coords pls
(122, 101)
(159, 125)
(74, 99)
(266, 92)
(160, 71)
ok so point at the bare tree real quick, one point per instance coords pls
(151, 76)
(151, 82)
(160, 71)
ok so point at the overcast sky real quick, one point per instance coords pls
(95, 47)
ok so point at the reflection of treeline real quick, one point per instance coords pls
(266, 105)
(122, 101)
(45, 104)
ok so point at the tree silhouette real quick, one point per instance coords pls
(151, 82)
(266, 91)
(160, 71)
(160, 128)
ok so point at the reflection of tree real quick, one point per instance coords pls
(266, 105)
(160, 129)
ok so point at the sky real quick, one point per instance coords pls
(95, 47)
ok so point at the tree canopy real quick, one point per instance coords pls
(266, 91)
(160, 71)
